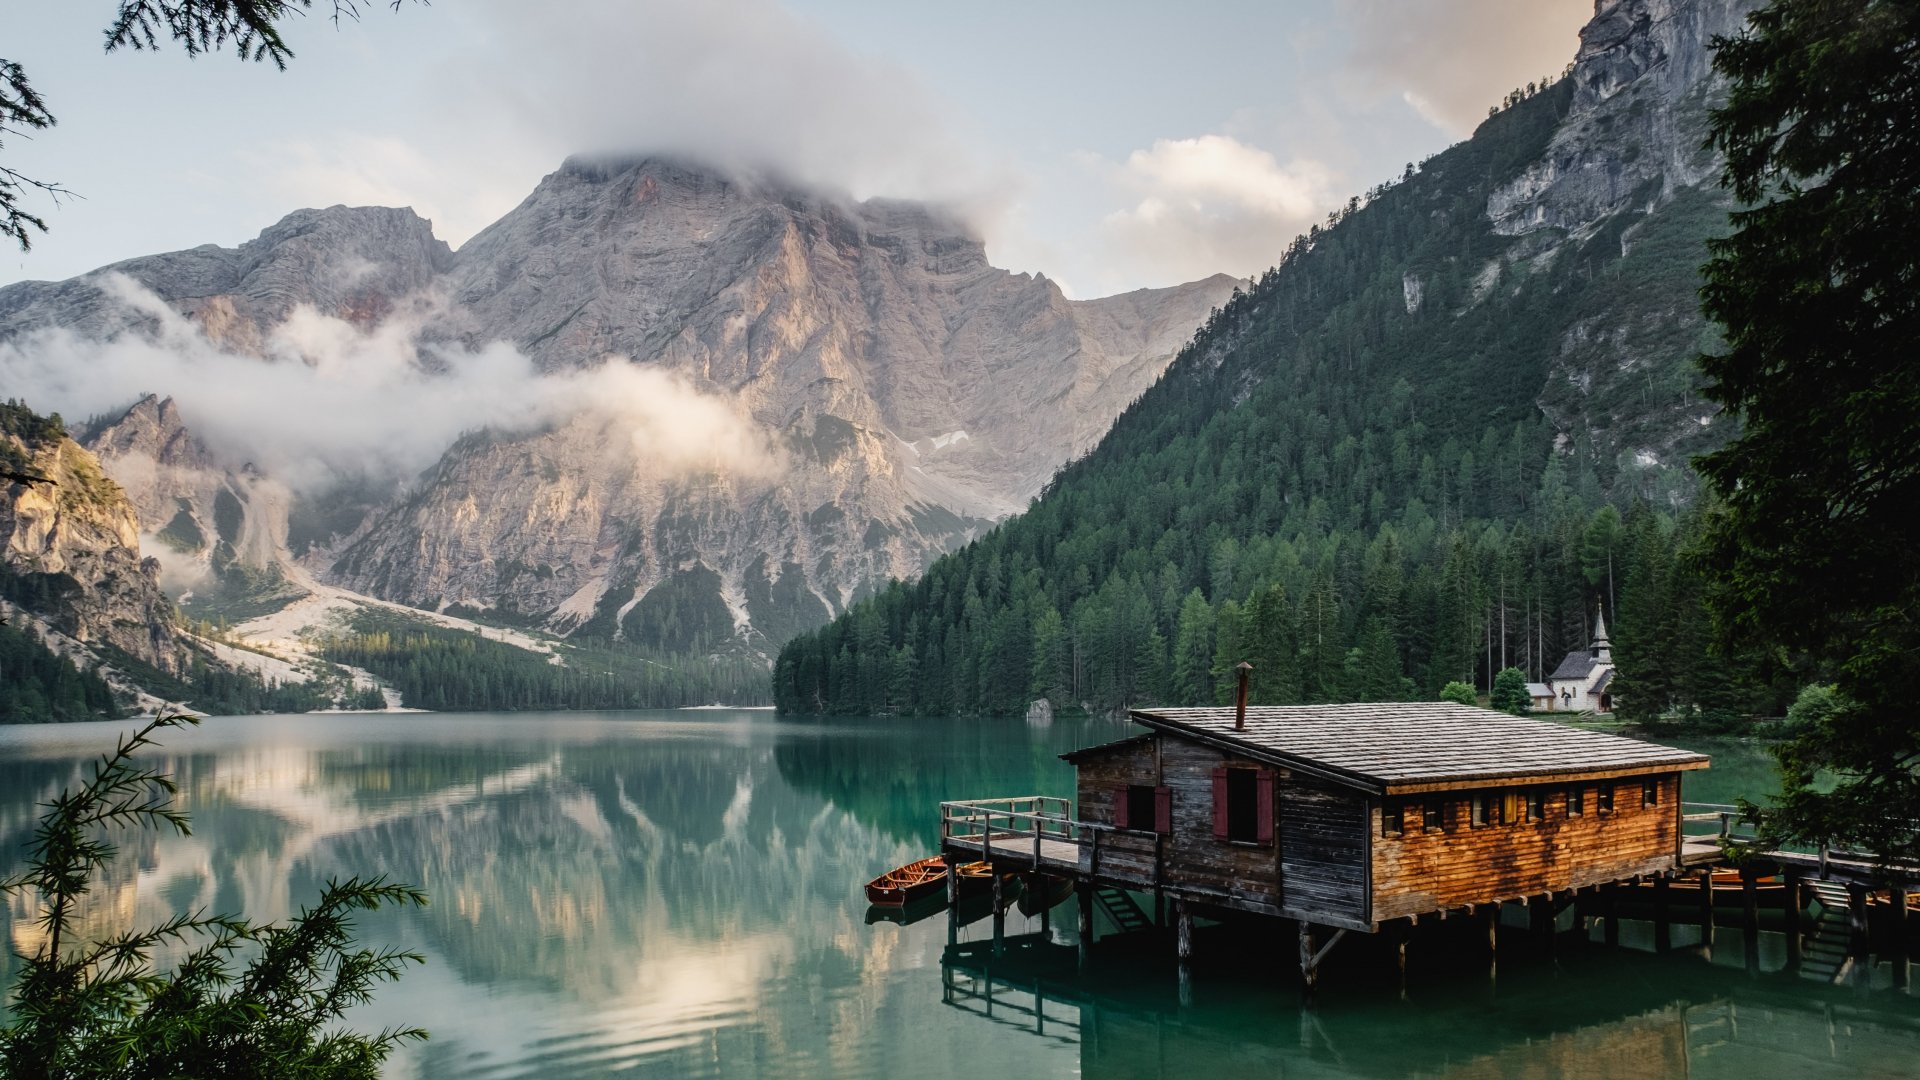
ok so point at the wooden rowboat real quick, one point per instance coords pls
(1770, 893)
(977, 877)
(1048, 893)
(903, 885)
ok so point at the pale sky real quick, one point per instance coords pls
(1111, 145)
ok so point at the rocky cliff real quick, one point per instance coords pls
(1627, 163)
(909, 393)
(1633, 134)
(70, 547)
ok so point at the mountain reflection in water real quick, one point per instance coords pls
(678, 894)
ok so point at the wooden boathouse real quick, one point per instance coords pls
(1344, 817)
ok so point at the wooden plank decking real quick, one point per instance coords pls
(1018, 850)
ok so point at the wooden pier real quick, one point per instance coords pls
(1346, 819)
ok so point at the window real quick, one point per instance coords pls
(1436, 815)
(1576, 801)
(1650, 792)
(1606, 798)
(1143, 807)
(1482, 809)
(1392, 818)
(1139, 806)
(1243, 805)
(1536, 805)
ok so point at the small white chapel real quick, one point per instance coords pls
(1580, 683)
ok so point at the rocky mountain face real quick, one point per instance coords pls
(353, 262)
(910, 394)
(1633, 132)
(218, 533)
(70, 548)
(1627, 163)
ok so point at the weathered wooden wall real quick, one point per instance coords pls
(1123, 857)
(1196, 859)
(1323, 851)
(1417, 871)
(1098, 774)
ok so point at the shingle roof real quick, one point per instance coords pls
(1577, 665)
(1539, 689)
(1403, 746)
(1101, 748)
(1605, 680)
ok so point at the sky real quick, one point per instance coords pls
(1111, 145)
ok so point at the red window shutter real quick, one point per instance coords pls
(1220, 802)
(1120, 808)
(1163, 811)
(1263, 788)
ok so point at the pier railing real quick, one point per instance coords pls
(1042, 828)
(1719, 821)
(1720, 818)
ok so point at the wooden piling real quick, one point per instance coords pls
(1796, 908)
(1085, 893)
(1183, 918)
(1662, 923)
(1857, 945)
(1750, 916)
(1540, 918)
(1309, 971)
(1900, 950)
(1610, 913)
(1706, 909)
(999, 916)
(1401, 931)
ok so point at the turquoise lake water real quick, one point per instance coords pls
(678, 894)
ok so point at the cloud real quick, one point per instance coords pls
(745, 84)
(1211, 204)
(1450, 61)
(329, 400)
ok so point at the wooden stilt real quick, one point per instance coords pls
(1085, 893)
(1490, 918)
(1401, 933)
(1046, 913)
(999, 918)
(1313, 952)
(1183, 941)
(1309, 971)
(1540, 918)
(1750, 917)
(1662, 925)
(1610, 913)
(1706, 910)
(1796, 906)
(1857, 946)
(1899, 954)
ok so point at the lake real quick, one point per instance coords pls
(678, 894)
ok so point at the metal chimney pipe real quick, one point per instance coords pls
(1240, 700)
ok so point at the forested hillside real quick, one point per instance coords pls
(434, 667)
(1418, 450)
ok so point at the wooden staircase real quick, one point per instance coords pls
(1122, 910)
(1825, 957)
